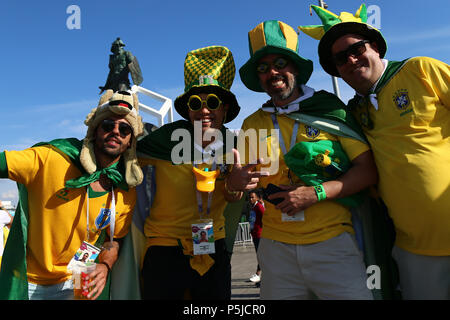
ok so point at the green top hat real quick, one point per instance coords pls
(273, 37)
(335, 27)
(209, 70)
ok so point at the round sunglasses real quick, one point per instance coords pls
(354, 50)
(278, 63)
(212, 102)
(109, 125)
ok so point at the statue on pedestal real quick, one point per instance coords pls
(121, 63)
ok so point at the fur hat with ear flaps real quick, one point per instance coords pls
(120, 103)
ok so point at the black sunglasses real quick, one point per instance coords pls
(109, 125)
(354, 50)
(279, 63)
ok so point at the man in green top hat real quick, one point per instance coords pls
(307, 248)
(176, 265)
(66, 189)
(404, 110)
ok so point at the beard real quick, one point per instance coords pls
(110, 152)
(284, 93)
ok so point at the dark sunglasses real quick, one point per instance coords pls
(354, 50)
(109, 125)
(195, 103)
(279, 63)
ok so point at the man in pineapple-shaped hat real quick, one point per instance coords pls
(176, 264)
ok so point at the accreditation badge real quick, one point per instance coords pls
(203, 236)
(86, 253)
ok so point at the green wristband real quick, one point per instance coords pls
(320, 191)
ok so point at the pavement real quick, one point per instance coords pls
(243, 265)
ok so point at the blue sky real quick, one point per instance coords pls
(50, 74)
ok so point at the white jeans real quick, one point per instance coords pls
(423, 277)
(331, 269)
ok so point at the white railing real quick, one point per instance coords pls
(243, 236)
(162, 112)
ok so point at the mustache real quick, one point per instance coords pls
(276, 78)
(114, 137)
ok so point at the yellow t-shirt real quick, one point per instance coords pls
(175, 206)
(57, 216)
(411, 145)
(323, 220)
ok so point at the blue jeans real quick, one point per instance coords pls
(59, 291)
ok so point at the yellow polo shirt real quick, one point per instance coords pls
(323, 220)
(57, 216)
(411, 145)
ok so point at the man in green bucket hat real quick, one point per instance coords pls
(176, 264)
(404, 109)
(307, 248)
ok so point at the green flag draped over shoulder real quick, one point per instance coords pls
(13, 273)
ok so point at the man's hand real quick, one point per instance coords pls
(99, 277)
(243, 178)
(108, 255)
(296, 198)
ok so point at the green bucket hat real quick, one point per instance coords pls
(209, 70)
(335, 27)
(273, 37)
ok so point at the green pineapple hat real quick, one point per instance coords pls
(273, 37)
(209, 70)
(335, 27)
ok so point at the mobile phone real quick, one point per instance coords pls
(270, 189)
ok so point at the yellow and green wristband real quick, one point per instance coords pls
(320, 191)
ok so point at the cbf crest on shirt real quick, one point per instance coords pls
(402, 101)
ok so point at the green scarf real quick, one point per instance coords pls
(359, 105)
(13, 273)
(326, 112)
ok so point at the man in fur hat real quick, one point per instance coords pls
(72, 194)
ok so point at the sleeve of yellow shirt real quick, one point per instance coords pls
(23, 165)
(436, 74)
(353, 147)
